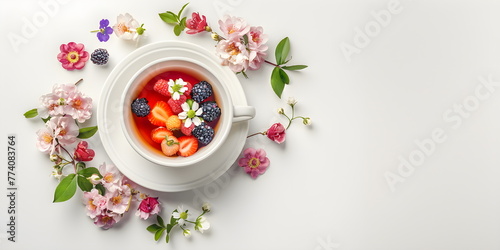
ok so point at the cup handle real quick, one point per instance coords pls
(243, 113)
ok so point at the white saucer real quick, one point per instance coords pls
(127, 160)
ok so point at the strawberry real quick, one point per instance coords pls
(174, 123)
(160, 113)
(158, 134)
(188, 145)
(175, 105)
(161, 86)
(187, 130)
(170, 145)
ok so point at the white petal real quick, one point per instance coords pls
(199, 112)
(185, 106)
(182, 115)
(183, 89)
(171, 82)
(195, 106)
(188, 122)
(176, 96)
(197, 121)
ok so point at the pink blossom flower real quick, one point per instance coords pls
(107, 220)
(254, 161)
(65, 129)
(233, 54)
(118, 201)
(196, 24)
(83, 153)
(65, 99)
(233, 27)
(111, 177)
(95, 203)
(72, 56)
(46, 140)
(148, 206)
(126, 27)
(276, 132)
(257, 47)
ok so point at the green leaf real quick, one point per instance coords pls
(45, 120)
(182, 23)
(66, 188)
(178, 30)
(160, 221)
(87, 172)
(277, 82)
(84, 184)
(294, 67)
(169, 17)
(101, 189)
(153, 228)
(31, 113)
(173, 221)
(87, 132)
(282, 50)
(169, 227)
(284, 76)
(167, 239)
(159, 233)
(182, 9)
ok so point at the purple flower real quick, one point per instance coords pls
(104, 30)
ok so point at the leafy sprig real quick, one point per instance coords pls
(175, 19)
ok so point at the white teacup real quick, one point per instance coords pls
(220, 84)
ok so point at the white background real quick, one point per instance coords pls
(326, 187)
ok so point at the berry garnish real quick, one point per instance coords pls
(204, 133)
(99, 56)
(201, 91)
(158, 134)
(140, 107)
(170, 145)
(175, 105)
(188, 145)
(174, 123)
(210, 111)
(161, 86)
(187, 130)
(160, 113)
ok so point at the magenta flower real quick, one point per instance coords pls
(276, 132)
(83, 153)
(73, 56)
(196, 24)
(148, 207)
(254, 161)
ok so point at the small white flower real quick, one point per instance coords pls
(202, 224)
(292, 101)
(177, 88)
(181, 214)
(191, 113)
(94, 179)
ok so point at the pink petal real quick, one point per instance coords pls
(79, 65)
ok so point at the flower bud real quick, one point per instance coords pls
(281, 111)
(206, 207)
(307, 121)
(186, 233)
(215, 36)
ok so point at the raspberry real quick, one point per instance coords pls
(204, 133)
(140, 107)
(161, 86)
(210, 111)
(201, 91)
(99, 56)
(175, 105)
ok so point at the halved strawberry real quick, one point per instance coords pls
(175, 105)
(161, 86)
(188, 145)
(170, 146)
(160, 113)
(158, 134)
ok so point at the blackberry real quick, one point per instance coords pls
(201, 91)
(100, 56)
(140, 107)
(210, 111)
(204, 133)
